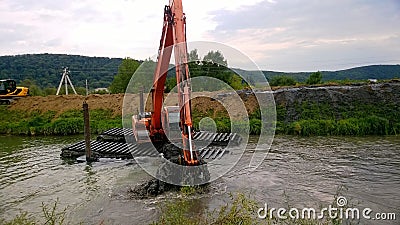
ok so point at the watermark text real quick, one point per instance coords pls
(337, 211)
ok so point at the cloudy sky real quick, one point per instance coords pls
(281, 35)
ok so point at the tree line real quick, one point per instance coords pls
(42, 72)
(314, 78)
(45, 70)
(213, 64)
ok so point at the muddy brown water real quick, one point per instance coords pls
(304, 172)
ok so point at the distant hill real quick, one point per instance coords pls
(364, 72)
(357, 73)
(46, 69)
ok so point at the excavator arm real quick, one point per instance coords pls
(173, 37)
(160, 74)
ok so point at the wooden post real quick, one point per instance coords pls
(141, 103)
(86, 119)
(87, 89)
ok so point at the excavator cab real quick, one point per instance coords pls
(7, 86)
(170, 120)
(10, 91)
(141, 126)
(170, 117)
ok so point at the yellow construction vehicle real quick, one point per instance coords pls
(9, 91)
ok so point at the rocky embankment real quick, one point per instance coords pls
(337, 98)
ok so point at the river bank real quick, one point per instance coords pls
(367, 109)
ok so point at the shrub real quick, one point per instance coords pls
(67, 126)
(282, 81)
(255, 126)
(315, 78)
(223, 125)
(51, 215)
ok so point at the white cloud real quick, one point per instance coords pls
(312, 35)
(279, 35)
(114, 28)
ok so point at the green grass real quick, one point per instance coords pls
(240, 209)
(356, 119)
(320, 119)
(68, 123)
(371, 125)
(51, 215)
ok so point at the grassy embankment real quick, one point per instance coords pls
(17, 122)
(314, 119)
(306, 119)
(355, 119)
(323, 119)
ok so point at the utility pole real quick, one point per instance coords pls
(65, 79)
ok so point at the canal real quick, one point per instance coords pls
(301, 172)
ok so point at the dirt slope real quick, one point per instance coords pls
(64, 103)
(114, 102)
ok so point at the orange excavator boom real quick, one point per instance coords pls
(173, 38)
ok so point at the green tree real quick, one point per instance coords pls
(143, 77)
(315, 78)
(26, 83)
(34, 89)
(213, 65)
(80, 91)
(170, 83)
(125, 71)
(236, 82)
(50, 91)
(193, 56)
(216, 57)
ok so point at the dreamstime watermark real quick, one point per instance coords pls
(338, 211)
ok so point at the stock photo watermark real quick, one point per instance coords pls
(338, 211)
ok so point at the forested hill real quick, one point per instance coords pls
(357, 73)
(46, 69)
(366, 72)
